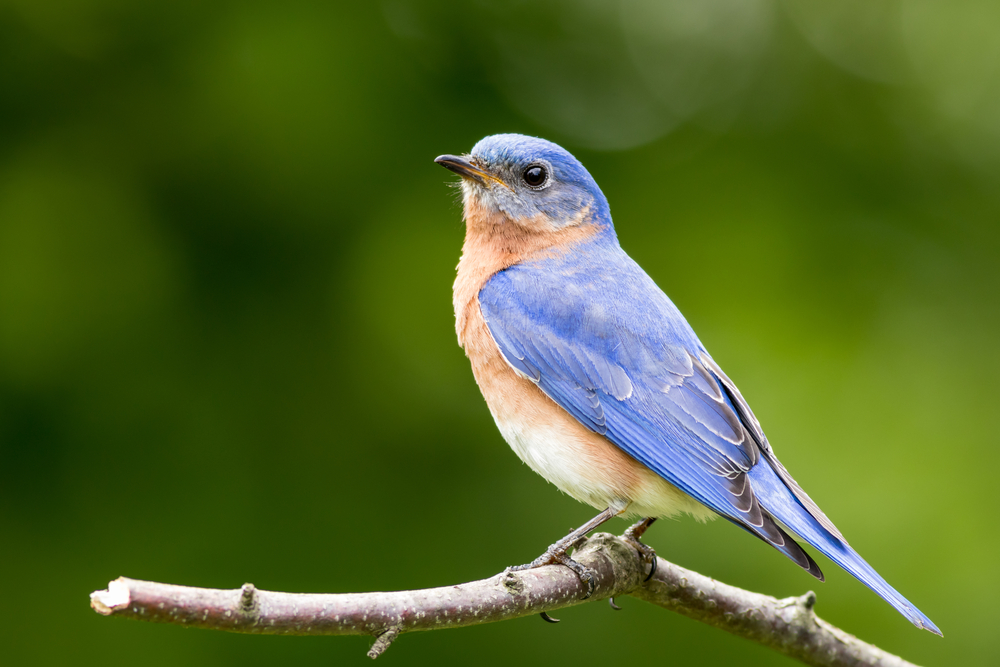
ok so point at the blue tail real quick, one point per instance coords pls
(777, 499)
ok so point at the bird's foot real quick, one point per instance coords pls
(646, 553)
(557, 554)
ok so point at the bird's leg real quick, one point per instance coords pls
(557, 552)
(646, 552)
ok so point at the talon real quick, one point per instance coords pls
(611, 601)
(547, 618)
(652, 569)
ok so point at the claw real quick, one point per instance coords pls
(611, 601)
(652, 569)
(548, 619)
(585, 573)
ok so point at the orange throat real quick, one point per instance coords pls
(493, 242)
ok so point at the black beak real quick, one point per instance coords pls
(464, 168)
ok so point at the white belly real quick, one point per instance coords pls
(576, 460)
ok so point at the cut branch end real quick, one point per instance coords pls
(116, 596)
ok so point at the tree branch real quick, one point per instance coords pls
(789, 626)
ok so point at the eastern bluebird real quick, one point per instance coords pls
(597, 381)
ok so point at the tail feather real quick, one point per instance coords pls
(772, 534)
(780, 503)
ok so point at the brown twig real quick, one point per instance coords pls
(789, 626)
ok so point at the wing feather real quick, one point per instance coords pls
(653, 392)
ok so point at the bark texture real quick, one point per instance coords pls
(789, 626)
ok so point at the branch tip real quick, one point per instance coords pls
(106, 602)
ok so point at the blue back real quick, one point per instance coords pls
(605, 343)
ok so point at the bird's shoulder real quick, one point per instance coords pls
(593, 295)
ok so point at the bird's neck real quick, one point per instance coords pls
(493, 243)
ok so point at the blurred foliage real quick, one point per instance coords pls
(226, 342)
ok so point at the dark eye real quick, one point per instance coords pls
(535, 175)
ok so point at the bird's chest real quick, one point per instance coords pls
(578, 461)
(514, 401)
(541, 433)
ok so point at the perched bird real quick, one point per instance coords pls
(597, 381)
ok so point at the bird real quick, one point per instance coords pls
(596, 380)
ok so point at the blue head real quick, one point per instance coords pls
(529, 179)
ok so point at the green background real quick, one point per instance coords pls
(227, 350)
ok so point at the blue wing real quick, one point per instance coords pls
(594, 332)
